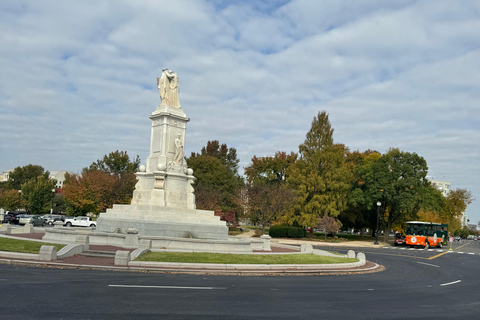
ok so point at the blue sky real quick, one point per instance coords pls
(78, 78)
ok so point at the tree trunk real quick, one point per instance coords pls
(386, 231)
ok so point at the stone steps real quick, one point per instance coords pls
(98, 254)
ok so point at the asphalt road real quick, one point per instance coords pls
(416, 284)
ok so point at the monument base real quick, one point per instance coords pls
(163, 221)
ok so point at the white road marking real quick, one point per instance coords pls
(428, 264)
(471, 253)
(447, 284)
(165, 287)
(459, 252)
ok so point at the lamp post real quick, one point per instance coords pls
(19, 198)
(378, 217)
(53, 195)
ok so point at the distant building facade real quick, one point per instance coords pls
(57, 175)
(5, 175)
(443, 186)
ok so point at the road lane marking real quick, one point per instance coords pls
(438, 255)
(428, 264)
(460, 252)
(165, 287)
(450, 283)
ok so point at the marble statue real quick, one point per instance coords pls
(178, 150)
(168, 87)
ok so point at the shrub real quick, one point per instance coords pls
(258, 233)
(287, 232)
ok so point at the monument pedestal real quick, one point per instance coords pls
(163, 221)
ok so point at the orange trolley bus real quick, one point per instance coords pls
(426, 234)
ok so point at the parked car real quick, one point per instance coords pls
(80, 222)
(11, 217)
(24, 219)
(399, 240)
(7, 218)
(37, 221)
(51, 218)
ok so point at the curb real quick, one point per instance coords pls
(203, 269)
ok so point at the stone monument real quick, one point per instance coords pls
(163, 201)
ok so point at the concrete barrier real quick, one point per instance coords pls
(83, 240)
(122, 258)
(137, 253)
(47, 253)
(70, 250)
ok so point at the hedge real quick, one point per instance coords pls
(287, 232)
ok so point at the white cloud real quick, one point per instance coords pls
(78, 78)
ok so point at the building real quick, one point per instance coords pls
(59, 176)
(443, 186)
(465, 220)
(5, 175)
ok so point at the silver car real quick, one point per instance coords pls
(24, 219)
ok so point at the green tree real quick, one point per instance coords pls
(320, 176)
(397, 180)
(227, 155)
(37, 194)
(20, 175)
(117, 162)
(216, 173)
(270, 169)
(357, 214)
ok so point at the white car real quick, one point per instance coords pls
(80, 222)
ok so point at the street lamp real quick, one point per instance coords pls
(53, 195)
(19, 198)
(378, 217)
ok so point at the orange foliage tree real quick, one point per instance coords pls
(92, 191)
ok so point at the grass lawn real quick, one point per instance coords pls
(225, 258)
(24, 246)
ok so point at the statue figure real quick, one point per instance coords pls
(178, 150)
(168, 87)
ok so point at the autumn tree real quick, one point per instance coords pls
(329, 225)
(320, 176)
(37, 194)
(119, 164)
(267, 201)
(456, 203)
(105, 182)
(89, 192)
(9, 199)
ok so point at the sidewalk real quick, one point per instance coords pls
(277, 246)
